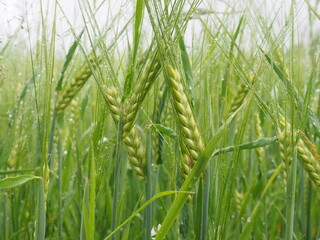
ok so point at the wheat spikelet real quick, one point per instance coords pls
(113, 103)
(309, 162)
(14, 153)
(285, 146)
(311, 146)
(75, 112)
(136, 152)
(281, 63)
(133, 145)
(257, 126)
(190, 135)
(74, 86)
(238, 98)
(239, 198)
(185, 164)
(139, 93)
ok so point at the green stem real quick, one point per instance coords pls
(148, 218)
(291, 198)
(205, 204)
(117, 180)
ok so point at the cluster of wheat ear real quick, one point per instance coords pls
(308, 157)
(310, 162)
(133, 145)
(74, 86)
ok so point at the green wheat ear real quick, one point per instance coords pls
(139, 93)
(190, 134)
(71, 90)
(132, 142)
(285, 146)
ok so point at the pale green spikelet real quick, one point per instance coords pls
(190, 134)
(14, 153)
(285, 146)
(113, 102)
(133, 144)
(136, 152)
(310, 163)
(185, 165)
(239, 199)
(258, 130)
(75, 112)
(139, 93)
(238, 98)
(74, 86)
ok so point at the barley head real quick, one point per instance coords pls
(190, 134)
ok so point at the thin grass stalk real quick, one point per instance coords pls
(291, 193)
(148, 214)
(117, 180)
(60, 168)
(205, 204)
(197, 213)
(92, 200)
(308, 210)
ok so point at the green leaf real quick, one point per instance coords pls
(250, 145)
(312, 9)
(162, 129)
(137, 25)
(10, 182)
(186, 62)
(14, 171)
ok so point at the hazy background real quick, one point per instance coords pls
(24, 17)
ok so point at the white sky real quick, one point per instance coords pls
(26, 13)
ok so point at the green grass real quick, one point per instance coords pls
(237, 65)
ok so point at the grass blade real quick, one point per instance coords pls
(163, 129)
(312, 9)
(11, 182)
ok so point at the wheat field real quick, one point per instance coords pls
(161, 119)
